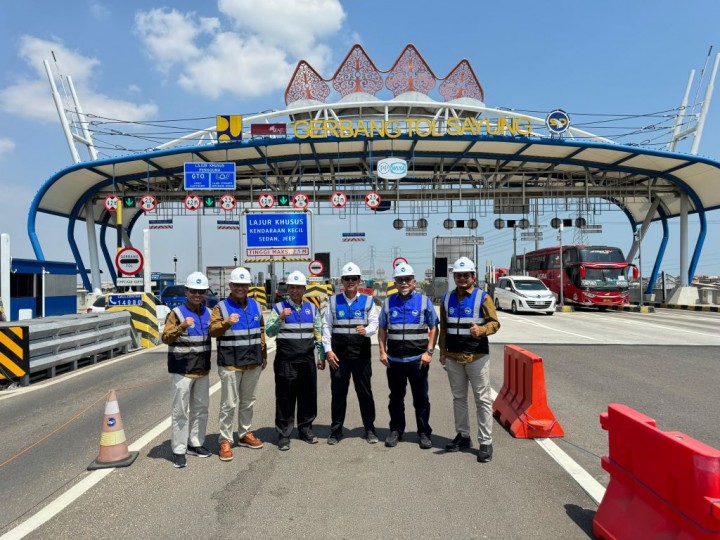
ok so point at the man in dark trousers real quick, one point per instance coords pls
(297, 324)
(467, 318)
(406, 336)
(350, 320)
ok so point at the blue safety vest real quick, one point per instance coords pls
(240, 344)
(190, 353)
(346, 342)
(407, 331)
(295, 339)
(460, 316)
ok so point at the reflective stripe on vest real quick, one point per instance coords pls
(344, 322)
(246, 331)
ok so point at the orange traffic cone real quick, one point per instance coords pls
(113, 446)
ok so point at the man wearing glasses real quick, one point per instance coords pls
(467, 318)
(350, 320)
(189, 345)
(238, 325)
(406, 335)
(298, 326)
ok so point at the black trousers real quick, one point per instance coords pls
(361, 371)
(295, 382)
(398, 375)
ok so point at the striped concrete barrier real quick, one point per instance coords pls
(143, 314)
(259, 294)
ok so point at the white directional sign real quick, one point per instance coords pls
(130, 282)
(228, 202)
(266, 200)
(129, 261)
(148, 203)
(192, 202)
(372, 200)
(111, 203)
(300, 201)
(338, 199)
(316, 267)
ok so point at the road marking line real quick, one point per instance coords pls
(585, 480)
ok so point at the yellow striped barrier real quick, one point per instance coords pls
(141, 307)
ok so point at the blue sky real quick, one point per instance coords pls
(148, 60)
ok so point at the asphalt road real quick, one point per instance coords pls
(663, 364)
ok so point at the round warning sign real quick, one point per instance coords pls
(111, 203)
(266, 200)
(148, 203)
(228, 202)
(372, 200)
(316, 267)
(129, 261)
(338, 199)
(192, 202)
(399, 260)
(300, 201)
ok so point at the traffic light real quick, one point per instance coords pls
(283, 200)
(129, 202)
(208, 201)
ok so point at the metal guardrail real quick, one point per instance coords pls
(68, 339)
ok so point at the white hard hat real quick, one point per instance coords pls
(197, 280)
(296, 278)
(403, 269)
(351, 269)
(463, 264)
(240, 275)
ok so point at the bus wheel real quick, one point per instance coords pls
(497, 305)
(514, 307)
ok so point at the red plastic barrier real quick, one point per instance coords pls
(521, 404)
(663, 484)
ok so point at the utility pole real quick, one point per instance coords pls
(562, 295)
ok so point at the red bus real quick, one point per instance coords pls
(592, 275)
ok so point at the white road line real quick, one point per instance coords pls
(585, 480)
(556, 330)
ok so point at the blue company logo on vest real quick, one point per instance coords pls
(358, 314)
(468, 311)
(392, 168)
(341, 313)
(451, 310)
(557, 121)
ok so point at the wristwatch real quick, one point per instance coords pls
(431, 351)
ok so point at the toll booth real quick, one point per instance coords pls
(160, 280)
(41, 289)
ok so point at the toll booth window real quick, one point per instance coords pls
(22, 285)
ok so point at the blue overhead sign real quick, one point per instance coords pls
(281, 234)
(220, 176)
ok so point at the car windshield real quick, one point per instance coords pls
(530, 286)
(174, 290)
(609, 278)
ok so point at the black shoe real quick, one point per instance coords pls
(334, 437)
(485, 453)
(459, 443)
(392, 439)
(308, 436)
(284, 443)
(425, 442)
(179, 461)
(199, 451)
(371, 437)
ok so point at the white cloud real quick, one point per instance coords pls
(267, 40)
(28, 96)
(294, 25)
(7, 146)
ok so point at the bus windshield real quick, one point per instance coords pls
(604, 278)
(601, 255)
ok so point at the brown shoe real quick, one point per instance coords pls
(225, 450)
(250, 441)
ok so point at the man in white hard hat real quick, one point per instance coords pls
(237, 323)
(297, 324)
(406, 335)
(189, 346)
(467, 318)
(350, 321)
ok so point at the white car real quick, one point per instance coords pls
(523, 293)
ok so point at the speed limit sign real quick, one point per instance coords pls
(148, 203)
(372, 200)
(228, 202)
(266, 200)
(111, 203)
(192, 202)
(338, 199)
